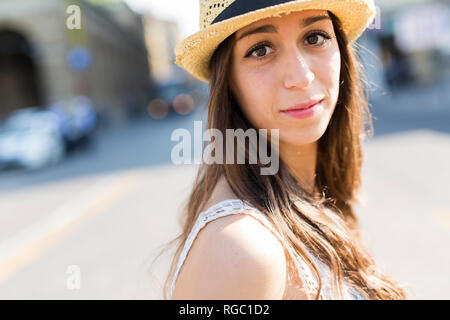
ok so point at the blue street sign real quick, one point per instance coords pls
(79, 58)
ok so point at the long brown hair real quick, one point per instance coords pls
(322, 223)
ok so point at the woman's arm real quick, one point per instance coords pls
(233, 257)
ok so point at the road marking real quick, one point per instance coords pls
(442, 215)
(29, 244)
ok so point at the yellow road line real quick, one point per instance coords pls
(29, 244)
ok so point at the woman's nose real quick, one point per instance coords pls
(297, 71)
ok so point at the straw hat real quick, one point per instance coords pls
(221, 18)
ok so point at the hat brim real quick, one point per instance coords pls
(194, 53)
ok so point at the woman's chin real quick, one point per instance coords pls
(301, 137)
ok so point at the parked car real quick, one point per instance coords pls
(65, 123)
(84, 116)
(77, 119)
(30, 138)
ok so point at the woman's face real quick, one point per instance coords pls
(294, 61)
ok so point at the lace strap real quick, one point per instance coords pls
(236, 206)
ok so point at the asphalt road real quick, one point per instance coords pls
(88, 227)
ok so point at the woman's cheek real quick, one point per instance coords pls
(332, 70)
(256, 102)
(257, 114)
(335, 67)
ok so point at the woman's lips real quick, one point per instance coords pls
(305, 105)
(305, 112)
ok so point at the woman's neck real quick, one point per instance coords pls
(301, 161)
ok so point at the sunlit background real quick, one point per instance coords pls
(88, 191)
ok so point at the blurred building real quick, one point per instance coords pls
(412, 42)
(42, 60)
(161, 37)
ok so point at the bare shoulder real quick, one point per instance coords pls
(233, 257)
(222, 191)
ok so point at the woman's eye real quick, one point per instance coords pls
(317, 39)
(260, 51)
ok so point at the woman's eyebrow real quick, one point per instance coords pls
(272, 29)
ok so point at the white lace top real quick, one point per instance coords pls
(236, 206)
